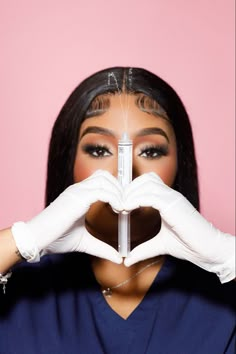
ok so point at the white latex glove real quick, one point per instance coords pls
(184, 233)
(61, 227)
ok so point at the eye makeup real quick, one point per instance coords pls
(149, 151)
(153, 151)
(97, 150)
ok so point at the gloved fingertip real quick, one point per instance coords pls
(128, 262)
(115, 210)
(117, 260)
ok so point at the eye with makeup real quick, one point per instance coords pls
(153, 151)
(97, 150)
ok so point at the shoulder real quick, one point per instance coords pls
(203, 285)
(54, 273)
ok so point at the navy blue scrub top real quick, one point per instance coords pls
(56, 307)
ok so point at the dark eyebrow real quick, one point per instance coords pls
(97, 130)
(107, 132)
(153, 130)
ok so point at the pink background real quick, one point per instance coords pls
(49, 46)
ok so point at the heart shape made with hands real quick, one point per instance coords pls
(144, 198)
(141, 198)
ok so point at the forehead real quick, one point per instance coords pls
(102, 103)
(126, 111)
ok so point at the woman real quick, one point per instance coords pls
(82, 297)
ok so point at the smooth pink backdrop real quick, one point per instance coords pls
(49, 46)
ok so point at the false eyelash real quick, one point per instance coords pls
(90, 148)
(161, 150)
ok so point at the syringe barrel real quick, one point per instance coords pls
(124, 234)
(125, 177)
(125, 161)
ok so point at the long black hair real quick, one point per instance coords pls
(64, 138)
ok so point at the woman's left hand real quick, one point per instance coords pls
(184, 232)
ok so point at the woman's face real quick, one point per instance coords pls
(154, 150)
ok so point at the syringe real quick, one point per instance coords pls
(125, 177)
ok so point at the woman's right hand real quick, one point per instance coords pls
(61, 227)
